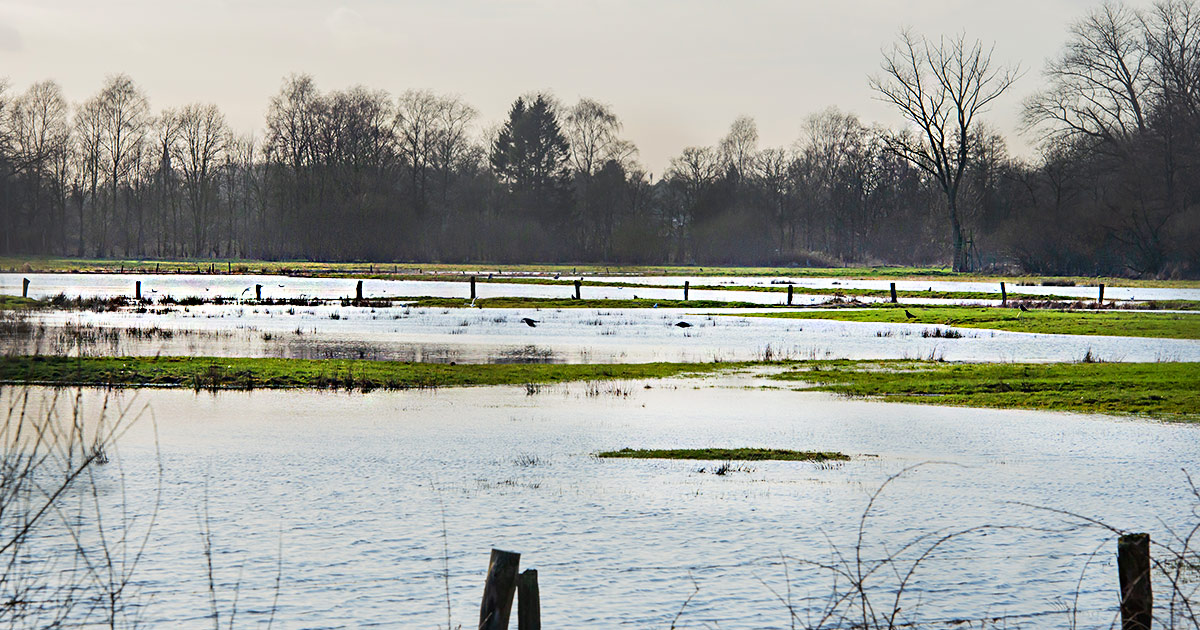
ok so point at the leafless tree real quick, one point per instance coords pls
(941, 87)
(124, 120)
(202, 141)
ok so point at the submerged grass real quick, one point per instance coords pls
(1065, 322)
(1169, 391)
(532, 302)
(357, 375)
(727, 454)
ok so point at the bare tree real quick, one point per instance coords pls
(124, 120)
(1098, 87)
(203, 139)
(739, 147)
(593, 132)
(941, 88)
(39, 134)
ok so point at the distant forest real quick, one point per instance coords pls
(363, 175)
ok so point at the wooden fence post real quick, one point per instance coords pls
(529, 605)
(24, 287)
(137, 290)
(577, 285)
(258, 292)
(498, 590)
(1133, 567)
(686, 286)
(1101, 300)
(893, 288)
(789, 295)
(472, 288)
(1003, 295)
(358, 292)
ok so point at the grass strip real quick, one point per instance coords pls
(1169, 391)
(727, 454)
(1062, 322)
(211, 373)
(317, 268)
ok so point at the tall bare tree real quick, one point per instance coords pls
(124, 121)
(202, 142)
(941, 87)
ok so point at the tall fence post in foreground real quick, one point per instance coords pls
(1003, 295)
(789, 295)
(1133, 567)
(24, 287)
(137, 290)
(893, 289)
(529, 605)
(258, 292)
(686, 286)
(577, 285)
(498, 590)
(472, 288)
(358, 291)
(1101, 300)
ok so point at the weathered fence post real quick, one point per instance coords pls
(24, 287)
(686, 286)
(789, 295)
(472, 288)
(228, 266)
(893, 288)
(529, 605)
(578, 284)
(358, 292)
(258, 292)
(1003, 295)
(1133, 567)
(137, 290)
(155, 267)
(498, 590)
(1101, 300)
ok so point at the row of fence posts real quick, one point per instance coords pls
(504, 579)
(578, 285)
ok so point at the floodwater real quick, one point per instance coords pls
(180, 286)
(343, 497)
(1082, 292)
(468, 335)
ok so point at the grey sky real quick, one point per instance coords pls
(676, 71)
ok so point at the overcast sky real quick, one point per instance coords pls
(677, 72)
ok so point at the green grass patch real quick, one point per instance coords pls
(15, 303)
(355, 375)
(727, 454)
(1164, 390)
(1117, 323)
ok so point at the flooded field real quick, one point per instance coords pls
(343, 496)
(560, 336)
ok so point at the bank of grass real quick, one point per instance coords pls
(314, 268)
(211, 373)
(1065, 322)
(1169, 391)
(727, 454)
(17, 303)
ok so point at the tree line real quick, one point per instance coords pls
(359, 174)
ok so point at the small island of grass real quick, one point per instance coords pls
(727, 454)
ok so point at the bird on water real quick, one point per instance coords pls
(683, 325)
(532, 323)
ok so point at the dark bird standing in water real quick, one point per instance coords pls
(683, 325)
(532, 323)
(909, 315)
